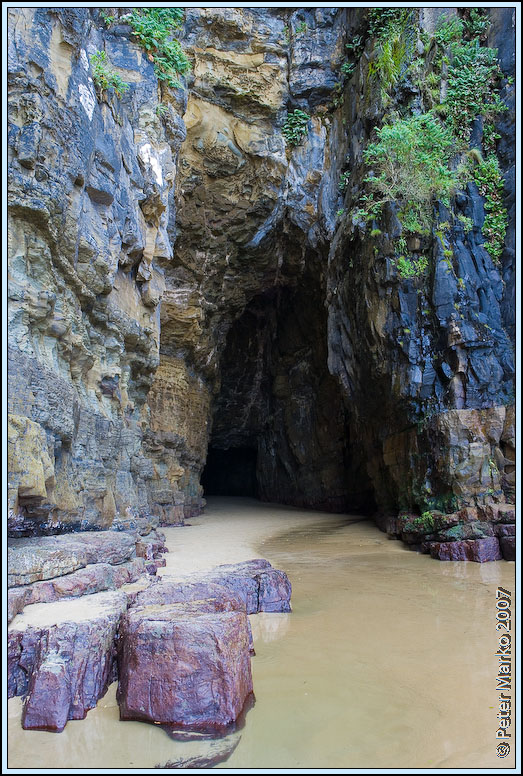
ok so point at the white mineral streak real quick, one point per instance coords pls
(148, 156)
(88, 100)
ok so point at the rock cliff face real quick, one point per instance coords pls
(187, 287)
(90, 185)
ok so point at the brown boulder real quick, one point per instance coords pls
(182, 667)
(66, 652)
(260, 586)
(206, 596)
(508, 547)
(478, 550)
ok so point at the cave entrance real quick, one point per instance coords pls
(280, 430)
(230, 472)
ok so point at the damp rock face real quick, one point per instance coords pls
(431, 402)
(185, 645)
(184, 667)
(183, 279)
(61, 658)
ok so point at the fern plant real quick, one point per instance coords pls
(473, 73)
(105, 77)
(153, 28)
(295, 127)
(393, 29)
(448, 29)
(489, 181)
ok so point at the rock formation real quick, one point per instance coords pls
(188, 285)
(180, 650)
(207, 296)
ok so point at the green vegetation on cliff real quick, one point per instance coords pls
(105, 77)
(295, 127)
(411, 164)
(489, 181)
(394, 33)
(420, 158)
(154, 28)
(472, 78)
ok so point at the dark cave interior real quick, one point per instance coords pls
(280, 428)
(230, 472)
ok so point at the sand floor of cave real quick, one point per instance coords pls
(387, 659)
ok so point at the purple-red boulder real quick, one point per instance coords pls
(61, 656)
(478, 550)
(182, 667)
(262, 587)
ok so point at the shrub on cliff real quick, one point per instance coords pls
(410, 163)
(105, 77)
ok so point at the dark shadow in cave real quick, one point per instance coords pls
(230, 472)
(281, 430)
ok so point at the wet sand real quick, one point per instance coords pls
(386, 661)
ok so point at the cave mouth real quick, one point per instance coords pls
(230, 472)
(280, 429)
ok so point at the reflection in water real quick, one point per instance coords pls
(387, 659)
(213, 753)
(269, 627)
(178, 734)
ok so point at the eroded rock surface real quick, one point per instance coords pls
(183, 280)
(38, 558)
(184, 646)
(183, 665)
(61, 657)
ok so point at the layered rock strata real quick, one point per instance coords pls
(91, 194)
(50, 568)
(183, 280)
